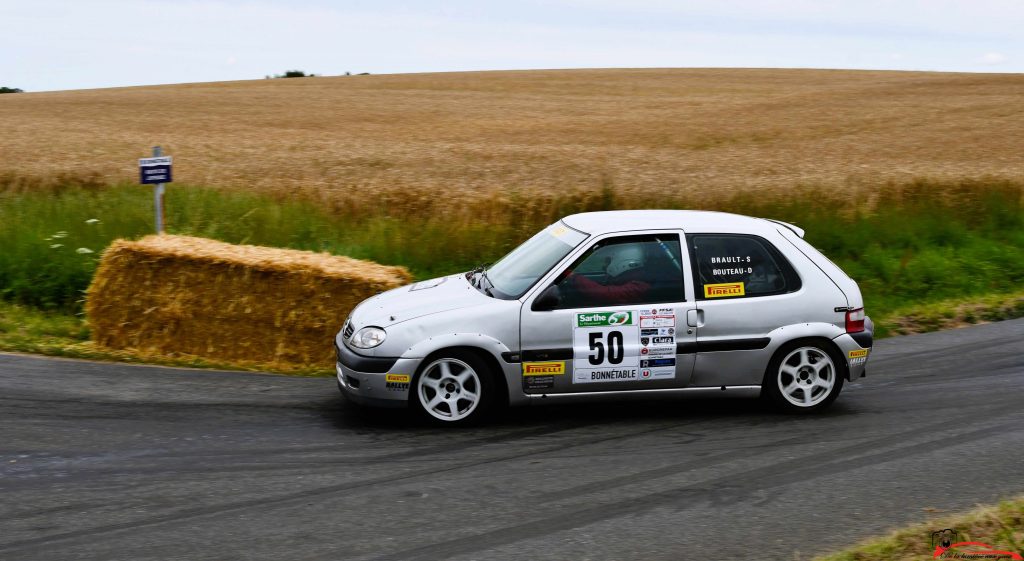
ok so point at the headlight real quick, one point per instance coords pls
(368, 338)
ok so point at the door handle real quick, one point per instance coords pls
(695, 318)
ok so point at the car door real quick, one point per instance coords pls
(611, 317)
(745, 289)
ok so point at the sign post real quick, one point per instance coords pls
(156, 171)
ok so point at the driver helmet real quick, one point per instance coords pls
(624, 259)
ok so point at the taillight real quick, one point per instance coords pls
(855, 320)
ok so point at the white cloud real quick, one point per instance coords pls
(992, 58)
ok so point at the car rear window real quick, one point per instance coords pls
(739, 266)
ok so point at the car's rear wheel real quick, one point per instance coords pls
(456, 388)
(803, 377)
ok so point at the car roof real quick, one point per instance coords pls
(688, 220)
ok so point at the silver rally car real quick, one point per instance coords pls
(616, 303)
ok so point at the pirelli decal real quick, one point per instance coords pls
(859, 353)
(397, 382)
(543, 368)
(723, 290)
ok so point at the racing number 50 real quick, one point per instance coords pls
(614, 347)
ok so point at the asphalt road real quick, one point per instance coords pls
(105, 461)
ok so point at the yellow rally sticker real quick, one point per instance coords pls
(723, 289)
(859, 353)
(400, 378)
(543, 368)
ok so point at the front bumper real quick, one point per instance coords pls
(374, 381)
(856, 349)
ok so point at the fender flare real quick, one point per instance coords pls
(480, 341)
(815, 330)
(782, 335)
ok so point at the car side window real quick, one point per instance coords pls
(624, 271)
(739, 266)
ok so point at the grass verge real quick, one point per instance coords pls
(950, 314)
(906, 245)
(1001, 526)
(927, 254)
(24, 329)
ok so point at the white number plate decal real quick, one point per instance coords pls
(623, 346)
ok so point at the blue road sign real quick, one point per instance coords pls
(155, 170)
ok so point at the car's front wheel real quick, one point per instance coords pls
(803, 377)
(455, 389)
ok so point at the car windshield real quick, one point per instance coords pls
(515, 273)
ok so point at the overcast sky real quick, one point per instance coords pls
(55, 44)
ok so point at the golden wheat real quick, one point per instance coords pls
(469, 136)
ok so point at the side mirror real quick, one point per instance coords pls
(548, 300)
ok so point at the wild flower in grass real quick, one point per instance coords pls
(59, 235)
(83, 251)
(56, 245)
(93, 221)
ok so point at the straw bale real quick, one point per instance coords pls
(177, 295)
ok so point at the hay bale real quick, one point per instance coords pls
(174, 295)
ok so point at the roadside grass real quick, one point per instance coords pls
(928, 255)
(24, 329)
(1001, 526)
(949, 314)
(906, 244)
(52, 241)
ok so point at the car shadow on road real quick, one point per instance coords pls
(753, 412)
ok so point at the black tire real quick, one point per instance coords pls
(451, 387)
(808, 395)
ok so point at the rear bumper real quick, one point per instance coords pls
(856, 349)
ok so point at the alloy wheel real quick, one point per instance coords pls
(806, 376)
(449, 389)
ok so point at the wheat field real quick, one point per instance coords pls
(651, 134)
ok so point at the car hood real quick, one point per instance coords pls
(424, 298)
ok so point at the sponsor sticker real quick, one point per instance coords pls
(724, 289)
(657, 321)
(608, 346)
(663, 331)
(859, 353)
(543, 368)
(397, 382)
(534, 383)
(604, 319)
(606, 375)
